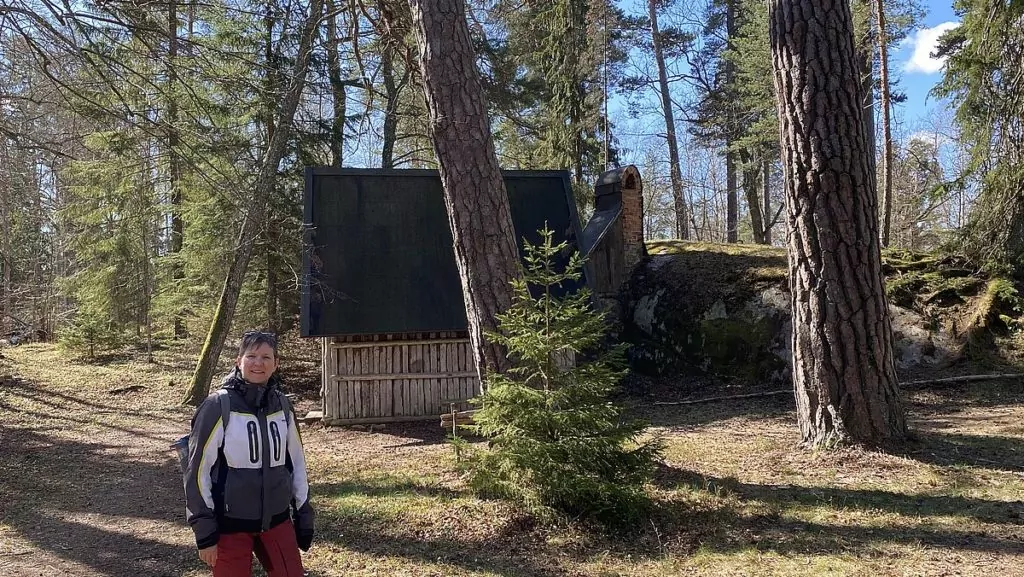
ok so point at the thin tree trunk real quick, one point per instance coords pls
(338, 100)
(732, 214)
(865, 52)
(766, 174)
(391, 96)
(474, 192)
(732, 217)
(751, 182)
(255, 216)
(843, 372)
(682, 220)
(887, 158)
(174, 161)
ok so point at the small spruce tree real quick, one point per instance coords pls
(557, 442)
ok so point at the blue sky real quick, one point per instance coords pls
(917, 72)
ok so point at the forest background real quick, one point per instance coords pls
(131, 135)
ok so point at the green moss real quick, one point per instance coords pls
(738, 348)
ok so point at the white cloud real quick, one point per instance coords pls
(924, 42)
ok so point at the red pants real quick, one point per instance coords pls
(276, 549)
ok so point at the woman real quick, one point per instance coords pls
(245, 482)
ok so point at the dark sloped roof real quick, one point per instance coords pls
(377, 250)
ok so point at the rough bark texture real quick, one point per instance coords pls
(682, 221)
(843, 372)
(255, 215)
(474, 192)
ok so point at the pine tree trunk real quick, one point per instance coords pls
(475, 196)
(751, 182)
(174, 161)
(766, 174)
(255, 216)
(887, 157)
(732, 216)
(682, 220)
(338, 100)
(843, 372)
(865, 52)
(391, 96)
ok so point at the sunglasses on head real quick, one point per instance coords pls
(272, 337)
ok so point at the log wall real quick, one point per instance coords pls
(396, 377)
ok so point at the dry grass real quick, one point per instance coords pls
(88, 487)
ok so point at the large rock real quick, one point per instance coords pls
(723, 310)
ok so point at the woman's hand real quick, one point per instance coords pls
(209, 555)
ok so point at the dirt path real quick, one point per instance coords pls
(87, 484)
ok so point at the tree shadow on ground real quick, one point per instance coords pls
(952, 450)
(701, 414)
(388, 487)
(511, 553)
(785, 496)
(57, 493)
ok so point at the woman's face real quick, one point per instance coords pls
(257, 364)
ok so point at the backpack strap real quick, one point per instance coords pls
(225, 411)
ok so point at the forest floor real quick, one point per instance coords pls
(88, 487)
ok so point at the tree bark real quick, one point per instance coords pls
(474, 192)
(255, 214)
(338, 96)
(174, 161)
(732, 214)
(887, 156)
(843, 373)
(751, 182)
(682, 220)
(766, 174)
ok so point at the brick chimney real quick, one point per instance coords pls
(613, 240)
(632, 189)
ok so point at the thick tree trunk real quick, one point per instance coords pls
(255, 215)
(843, 372)
(474, 192)
(883, 54)
(682, 220)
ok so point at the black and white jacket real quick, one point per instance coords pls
(251, 476)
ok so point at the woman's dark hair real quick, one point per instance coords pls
(253, 339)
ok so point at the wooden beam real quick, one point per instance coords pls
(378, 420)
(397, 376)
(366, 344)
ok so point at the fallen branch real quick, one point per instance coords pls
(128, 389)
(962, 379)
(726, 398)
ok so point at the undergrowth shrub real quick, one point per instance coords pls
(557, 444)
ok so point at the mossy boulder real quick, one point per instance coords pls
(718, 310)
(723, 310)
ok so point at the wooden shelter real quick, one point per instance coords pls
(382, 290)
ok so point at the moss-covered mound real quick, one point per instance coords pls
(719, 309)
(723, 310)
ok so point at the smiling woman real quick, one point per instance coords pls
(245, 480)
